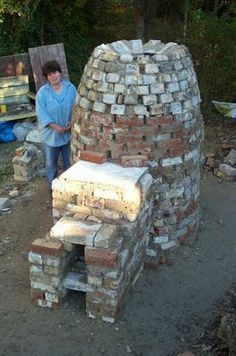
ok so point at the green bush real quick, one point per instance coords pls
(211, 41)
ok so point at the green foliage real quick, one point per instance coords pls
(211, 40)
(19, 25)
(208, 28)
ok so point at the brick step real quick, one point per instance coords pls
(77, 281)
(84, 233)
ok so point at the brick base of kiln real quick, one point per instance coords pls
(102, 216)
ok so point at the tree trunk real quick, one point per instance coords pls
(186, 8)
(146, 14)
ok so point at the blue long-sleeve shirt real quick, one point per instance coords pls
(52, 107)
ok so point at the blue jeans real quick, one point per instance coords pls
(52, 155)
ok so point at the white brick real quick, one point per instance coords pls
(149, 99)
(85, 103)
(117, 109)
(109, 98)
(112, 77)
(105, 235)
(77, 281)
(51, 297)
(119, 88)
(149, 79)
(126, 58)
(95, 280)
(43, 287)
(140, 110)
(157, 88)
(151, 68)
(171, 161)
(35, 258)
(99, 107)
(51, 261)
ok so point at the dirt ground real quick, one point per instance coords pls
(168, 311)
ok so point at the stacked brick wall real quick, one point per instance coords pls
(139, 105)
(107, 210)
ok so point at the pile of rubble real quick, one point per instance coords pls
(222, 162)
(28, 163)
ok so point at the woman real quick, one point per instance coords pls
(54, 104)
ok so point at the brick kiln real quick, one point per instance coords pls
(136, 145)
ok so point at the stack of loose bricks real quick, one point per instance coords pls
(107, 210)
(138, 106)
(28, 163)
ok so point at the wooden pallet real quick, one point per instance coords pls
(15, 95)
(14, 85)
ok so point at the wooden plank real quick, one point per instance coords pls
(18, 116)
(7, 66)
(31, 95)
(16, 99)
(40, 55)
(44, 55)
(36, 65)
(57, 53)
(17, 90)
(22, 64)
(13, 81)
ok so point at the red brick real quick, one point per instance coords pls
(104, 136)
(189, 237)
(227, 146)
(101, 257)
(88, 148)
(177, 151)
(115, 148)
(166, 261)
(172, 144)
(178, 134)
(110, 311)
(129, 138)
(148, 147)
(103, 145)
(93, 156)
(152, 121)
(56, 306)
(165, 120)
(105, 119)
(134, 161)
(151, 263)
(187, 353)
(108, 130)
(132, 122)
(35, 295)
(47, 247)
(189, 210)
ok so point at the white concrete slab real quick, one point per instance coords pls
(106, 173)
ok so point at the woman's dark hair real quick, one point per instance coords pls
(50, 67)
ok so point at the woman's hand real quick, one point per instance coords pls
(59, 129)
(68, 127)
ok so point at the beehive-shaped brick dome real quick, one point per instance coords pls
(139, 105)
